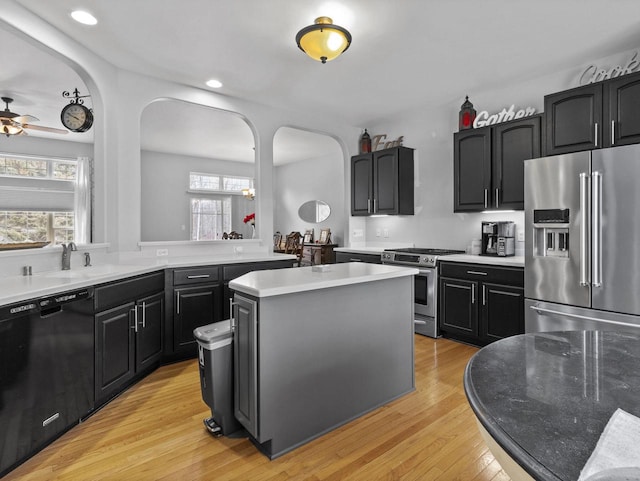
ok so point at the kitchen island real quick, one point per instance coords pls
(318, 347)
(543, 400)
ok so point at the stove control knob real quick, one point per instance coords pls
(430, 260)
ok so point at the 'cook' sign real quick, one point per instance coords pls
(594, 74)
(483, 118)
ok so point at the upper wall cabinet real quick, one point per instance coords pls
(489, 164)
(603, 114)
(382, 182)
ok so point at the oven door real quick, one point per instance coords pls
(425, 292)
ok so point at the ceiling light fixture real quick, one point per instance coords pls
(83, 17)
(323, 41)
(214, 84)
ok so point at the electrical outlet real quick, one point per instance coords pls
(237, 249)
(386, 232)
(358, 233)
(162, 252)
(520, 236)
(377, 232)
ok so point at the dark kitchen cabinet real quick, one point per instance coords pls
(128, 332)
(480, 304)
(602, 114)
(197, 300)
(489, 164)
(382, 182)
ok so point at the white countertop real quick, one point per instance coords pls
(512, 261)
(300, 279)
(20, 288)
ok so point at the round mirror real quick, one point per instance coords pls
(314, 211)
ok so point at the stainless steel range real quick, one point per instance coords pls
(426, 283)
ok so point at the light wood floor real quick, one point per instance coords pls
(154, 431)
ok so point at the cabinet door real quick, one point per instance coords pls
(573, 120)
(623, 99)
(472, 170)
(458, 307)
(114, 354)
(361, 184)
(385, 182)
(245, 363)
(149, 336)
(513, 143)
(502, 311)
(194, 307)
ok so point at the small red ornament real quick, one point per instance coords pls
(467, 115)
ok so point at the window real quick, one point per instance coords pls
(211, 203)
(43, 199)
(218, 183)
(210, 218)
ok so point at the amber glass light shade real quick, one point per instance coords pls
(323, 41)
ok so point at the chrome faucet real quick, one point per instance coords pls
(66, 255)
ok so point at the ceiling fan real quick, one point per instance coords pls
(14, 124)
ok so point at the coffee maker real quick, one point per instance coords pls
(498, 239)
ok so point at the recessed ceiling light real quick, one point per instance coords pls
(214, 84)
(83, 17)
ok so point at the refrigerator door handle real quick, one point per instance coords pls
(595, 134)
(584, 228)
(597, 229)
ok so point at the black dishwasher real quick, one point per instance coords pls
(46, 371)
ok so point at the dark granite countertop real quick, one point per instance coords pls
(546, 397)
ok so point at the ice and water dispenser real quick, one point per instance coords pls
(551, 232)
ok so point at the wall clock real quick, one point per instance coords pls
(76, 117)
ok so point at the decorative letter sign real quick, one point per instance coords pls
(594, 74)
(483, 119)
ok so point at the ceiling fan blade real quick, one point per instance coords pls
(23, 119)
(45, 129)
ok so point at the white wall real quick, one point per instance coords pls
(313, 179)
(165, 207)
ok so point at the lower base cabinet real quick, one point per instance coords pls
(128, 336)
(480, 304)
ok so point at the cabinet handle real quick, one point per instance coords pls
(596, 133)
(478, 273)
(368, 206)
(135, 318)
(473, 293)
(486, 198)
(177, 303)
(613, 132)
(200, 276)
(484, 295)
(144, 315)
(355, 260)
(232, 320)
(375, 205)
(497, 192)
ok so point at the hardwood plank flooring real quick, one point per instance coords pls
(154, 431)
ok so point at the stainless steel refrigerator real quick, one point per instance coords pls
(582, 241)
